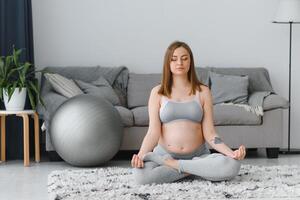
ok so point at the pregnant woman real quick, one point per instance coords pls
(180, 124)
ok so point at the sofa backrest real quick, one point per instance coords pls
(139, 88)
(134, 89)
(140, 85)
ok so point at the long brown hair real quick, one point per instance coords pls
(167, 79)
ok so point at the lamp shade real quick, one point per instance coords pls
(288, 11)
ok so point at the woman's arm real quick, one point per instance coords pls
(154, 130)
(208, 128)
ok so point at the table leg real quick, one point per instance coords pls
(36, 137)
(26, 138)
(3, 134)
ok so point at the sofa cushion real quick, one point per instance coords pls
(234, 115)
(275, 101)
(126, 116)
(228, 88)
(99, 88)
(62, 85)
(259, 79)
(139, 88)
(223, 115)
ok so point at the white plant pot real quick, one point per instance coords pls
(17, 100)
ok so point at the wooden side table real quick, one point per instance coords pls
(24, 114)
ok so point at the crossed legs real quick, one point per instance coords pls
(162, 168)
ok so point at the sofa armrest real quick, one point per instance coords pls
(275, 101)
(52, 101)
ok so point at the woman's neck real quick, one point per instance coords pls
(180, 82)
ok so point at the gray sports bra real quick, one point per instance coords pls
(171, 110)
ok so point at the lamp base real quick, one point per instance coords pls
(289, 151)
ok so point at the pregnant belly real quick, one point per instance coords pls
(181, 137)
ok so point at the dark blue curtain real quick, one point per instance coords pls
(16, 29)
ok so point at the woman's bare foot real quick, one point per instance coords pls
(170, 162)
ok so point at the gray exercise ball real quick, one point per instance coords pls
(86, 130)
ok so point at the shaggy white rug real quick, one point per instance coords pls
(253, 182)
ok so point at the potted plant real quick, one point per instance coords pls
(17, 80)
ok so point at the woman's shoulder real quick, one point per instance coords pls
(205, 91)
(155, 91)
(157, 87)
(204, 88)
(154, 95)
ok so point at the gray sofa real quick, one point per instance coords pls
(234, 124)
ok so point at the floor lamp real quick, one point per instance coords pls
(289, 13)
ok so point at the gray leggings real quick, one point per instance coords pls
(213, 167)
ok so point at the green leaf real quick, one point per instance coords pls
(25, 67)
(1, 93)
(11, 90)
(34, 87)
(16, 55)
(24, 72)
(1, 62)
(8, 61)
(2, 66)
(42, 102)
(19, 51)
(11, 73)
(31, 99)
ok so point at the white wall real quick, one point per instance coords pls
(135, 33)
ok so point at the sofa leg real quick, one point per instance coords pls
(272, 152)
